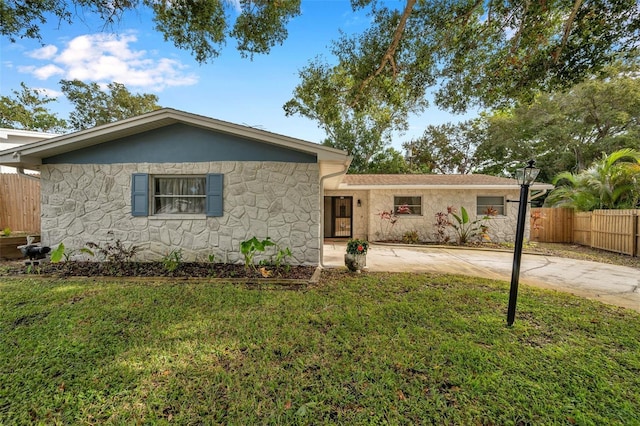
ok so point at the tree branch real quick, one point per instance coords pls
(567, 29)
(388, 57)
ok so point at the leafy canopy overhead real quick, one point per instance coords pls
(568, 130)
(483, 52)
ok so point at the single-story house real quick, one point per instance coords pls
(170, 180)
(358, 205)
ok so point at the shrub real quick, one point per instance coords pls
(466, 230)
(411, 237)
(172, 260)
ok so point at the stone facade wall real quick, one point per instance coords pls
(501, 228)
(92, 203)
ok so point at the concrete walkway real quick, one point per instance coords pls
(612, 284)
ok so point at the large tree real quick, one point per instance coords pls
(94, 106)
(482, 52)
(27, 110)
(566, 131)
(362, 127)
(448, 148)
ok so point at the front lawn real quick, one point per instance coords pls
(354, 349)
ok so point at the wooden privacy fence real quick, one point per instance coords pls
(19, 203)
(611, 230)
(552, 225)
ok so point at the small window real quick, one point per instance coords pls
(179, 195)
(492, 206)
(407, 205)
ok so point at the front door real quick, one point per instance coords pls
(341, 217)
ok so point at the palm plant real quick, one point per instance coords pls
(613, 182)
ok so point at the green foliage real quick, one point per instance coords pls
(115, 252)
(610, 183)
(565, 130)
(448, 148)
(61, 252)
(389, 161)
(465, 229)
(355, 350)
(411, 237)
(250, 248)
(27, 110)
(201, 27)
(6, 232)
(361, 125)
(58, 253)
(172, 260)
(94, 106)
(282, 258)
(357, 246)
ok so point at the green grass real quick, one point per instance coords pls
(365, 349)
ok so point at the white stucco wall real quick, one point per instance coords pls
(360, 213)
(92, 203)
(501, 228)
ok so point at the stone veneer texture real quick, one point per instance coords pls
(92, 203)
(501, 228)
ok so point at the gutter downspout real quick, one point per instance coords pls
(322, 179)
(17, 155)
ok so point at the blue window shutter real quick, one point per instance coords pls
(140, 194)
(214, 194)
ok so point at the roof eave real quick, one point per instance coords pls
(164, 117)
(441, 186)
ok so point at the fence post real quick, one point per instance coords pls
(634, 232)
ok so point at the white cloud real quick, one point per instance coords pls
(105, 58)
(43, 73)
(44, 53)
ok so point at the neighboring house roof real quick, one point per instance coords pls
(12, 138)
(19, 136)
(30, 156)
(432, 181)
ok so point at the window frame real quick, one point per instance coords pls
(482, 207)
(153, 196)
(412, 205)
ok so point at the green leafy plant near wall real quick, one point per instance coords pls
(61, 252)
(250, 248)
(466, 230)
(172, 260)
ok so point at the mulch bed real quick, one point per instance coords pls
(157, 269)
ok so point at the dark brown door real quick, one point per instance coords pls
(341, 216)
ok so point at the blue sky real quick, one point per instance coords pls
(228, 88)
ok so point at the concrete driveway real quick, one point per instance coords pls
(615, 285)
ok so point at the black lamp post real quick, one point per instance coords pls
(525, 177)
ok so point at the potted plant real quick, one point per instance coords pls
(356, 257)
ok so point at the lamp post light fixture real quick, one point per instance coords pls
(525, 177)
